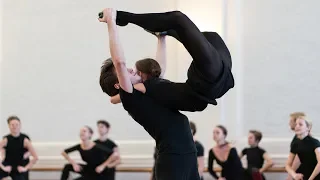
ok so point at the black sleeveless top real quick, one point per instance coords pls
(15, 150)
(254, 156)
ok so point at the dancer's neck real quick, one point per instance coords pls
(303, 135)
(222, 143)
(103, 137)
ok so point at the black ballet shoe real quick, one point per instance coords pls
(100, 15)
(118, 22)
(163, 33)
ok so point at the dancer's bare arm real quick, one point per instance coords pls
(289, 169)
(116, 99)
(161, 56)
(117, 55)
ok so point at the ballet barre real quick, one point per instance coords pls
(143, 169)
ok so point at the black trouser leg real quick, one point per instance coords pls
(26, 175)
(3, 174)
(205, 57)
(17, 176)
(69, 168)
(215, 40)
(66, 171)
(177, 167)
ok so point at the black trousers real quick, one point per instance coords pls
(176, 167)
(87, 173)
(209, 74)
(153, 173)
(24, 163)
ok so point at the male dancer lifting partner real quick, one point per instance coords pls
(209, 75)
(176, 159)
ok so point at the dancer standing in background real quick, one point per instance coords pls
(16, 144)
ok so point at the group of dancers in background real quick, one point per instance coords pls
(302, 160)
(155, 103)
(101, 156)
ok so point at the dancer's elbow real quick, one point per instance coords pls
(118, 62)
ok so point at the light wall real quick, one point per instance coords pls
(50, 70)
(281, 63)
(53, 51)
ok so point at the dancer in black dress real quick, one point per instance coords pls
(308, 150)
(209, 75)
(226, 156)
(152, 71)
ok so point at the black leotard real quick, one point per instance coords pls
(14, 151)
(93, 158)
(231, 169)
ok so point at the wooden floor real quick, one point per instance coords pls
(134, 173)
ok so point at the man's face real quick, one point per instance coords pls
(102, 129)
(14, 126)
(251, 139)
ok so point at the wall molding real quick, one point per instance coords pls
(139, 153)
